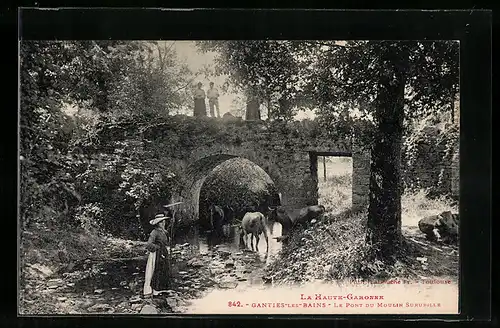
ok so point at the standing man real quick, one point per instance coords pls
(200, 108)
(213, 100)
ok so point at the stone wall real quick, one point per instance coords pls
(360, 178)
(286, 152)
(431, 160)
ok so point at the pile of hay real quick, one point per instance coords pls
(238, 183)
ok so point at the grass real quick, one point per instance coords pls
(415, 205)
(41, 245)
(335, 193)
(334, 248)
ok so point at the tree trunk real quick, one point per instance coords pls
(324, 168)
(252, 111)
(384, 211)
(269, 109)
(452, 107)
(285, 108)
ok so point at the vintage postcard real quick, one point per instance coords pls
(239, 177)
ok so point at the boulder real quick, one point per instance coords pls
(149, 309)
(443, 226)
(99, 308)
(427, 225)
(447, 226)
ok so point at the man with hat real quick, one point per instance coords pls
(157, 278)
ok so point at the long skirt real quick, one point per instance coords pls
(200, 108)
(157, 273)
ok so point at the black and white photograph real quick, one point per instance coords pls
(239, 177)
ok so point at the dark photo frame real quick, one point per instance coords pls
(471, 28)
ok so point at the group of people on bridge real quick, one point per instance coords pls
(200, 108)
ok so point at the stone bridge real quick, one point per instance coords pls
(287, 152)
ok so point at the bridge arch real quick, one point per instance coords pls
(254, 178)
(286, 151)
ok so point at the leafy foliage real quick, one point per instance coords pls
(427, 155)
(263, 69)
(367, 89)
(69, 174)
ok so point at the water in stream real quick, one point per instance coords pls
(203, 242)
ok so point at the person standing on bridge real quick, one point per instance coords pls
(157, 278)
(213, 100)
(200, 108)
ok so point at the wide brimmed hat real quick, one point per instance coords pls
(158, 218)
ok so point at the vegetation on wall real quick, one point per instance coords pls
(72, 91)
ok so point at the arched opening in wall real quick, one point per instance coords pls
(236, 186)
(334, 174)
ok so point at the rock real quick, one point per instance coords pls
(98, 291)
(149, 309)
(43, 270)
(134, 299)
(172, 302)
(136, 307)
(62, 299)
(224, 254)
(195, 263)
(441, 226)
(183, 273)
(123, 283)
(53, 287)
(70, 284)
(185, 245)
(313, 221)
(242, 279)
(99, 307)
(227, 285)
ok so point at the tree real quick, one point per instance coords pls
(109, 82)
(367, 88)
(44, 129)
(389, 82)
(266, 70)
(238, 106)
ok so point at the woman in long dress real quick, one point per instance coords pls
(157, 278)
(200, 108)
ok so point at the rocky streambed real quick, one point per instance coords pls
(115, 287)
